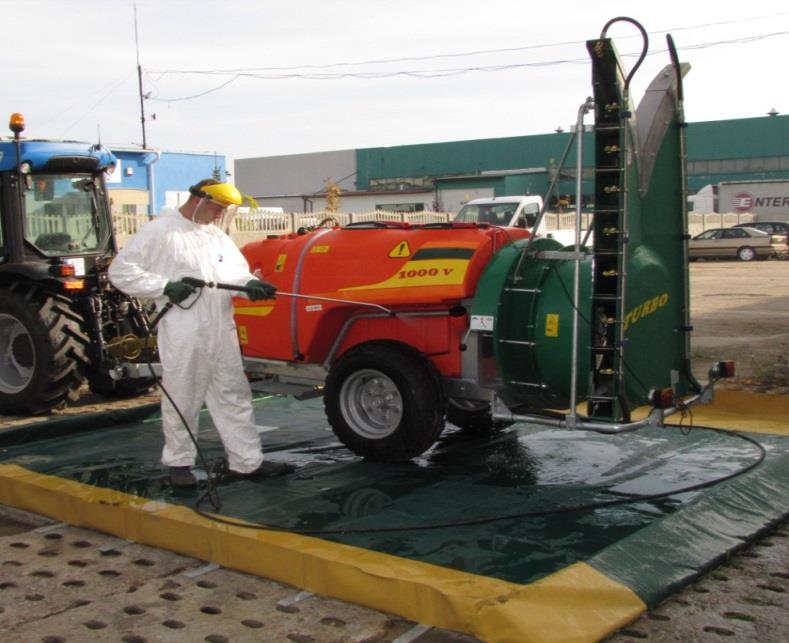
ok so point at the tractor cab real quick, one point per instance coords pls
(61, 320)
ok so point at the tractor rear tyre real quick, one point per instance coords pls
(40, 348)
(385, 402)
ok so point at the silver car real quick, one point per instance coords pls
(741, 243)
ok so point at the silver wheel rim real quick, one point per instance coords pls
(17, 355)
(371, 404)
(746, 254)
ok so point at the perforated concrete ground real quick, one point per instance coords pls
(745, 599)
(60, 583)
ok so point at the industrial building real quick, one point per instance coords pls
(442, 176)
(145, 181)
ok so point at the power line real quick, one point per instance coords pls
(109, 88)
(454, 54)
(439, 73)
(109, 93)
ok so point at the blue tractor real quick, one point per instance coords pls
(61, 321)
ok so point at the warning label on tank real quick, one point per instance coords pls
(280, 265)
(400, 251)
(482, 322)
(551, 325)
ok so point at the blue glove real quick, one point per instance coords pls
(177, 291)
(260, 290)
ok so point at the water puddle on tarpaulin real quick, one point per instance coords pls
(525, 469)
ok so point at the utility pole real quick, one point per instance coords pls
(153, 157)
(139, 80)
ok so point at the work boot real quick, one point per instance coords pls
(182, 477)
(267, 469)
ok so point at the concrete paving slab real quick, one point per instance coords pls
(64, 583)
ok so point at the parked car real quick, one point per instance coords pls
(774, 228)
(743, 243)
(770, 227)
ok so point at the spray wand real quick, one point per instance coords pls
(200, 283)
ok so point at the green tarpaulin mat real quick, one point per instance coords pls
(445, 507)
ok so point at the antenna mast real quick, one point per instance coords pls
(139, 79)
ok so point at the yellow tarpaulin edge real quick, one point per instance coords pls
(742, 411)
(733, 410)
(577, 603)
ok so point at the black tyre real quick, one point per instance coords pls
(385, 402)
(473, 416)
(40, 347)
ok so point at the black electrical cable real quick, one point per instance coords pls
(519, 515)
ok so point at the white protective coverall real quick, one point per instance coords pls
(198, 345)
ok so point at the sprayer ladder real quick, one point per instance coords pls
(606, 398)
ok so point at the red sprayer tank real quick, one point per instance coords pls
(423, 274)
(405, 328)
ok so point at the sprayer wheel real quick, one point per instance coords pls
(473, 416)
(384, 402)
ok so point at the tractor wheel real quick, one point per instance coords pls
(473, 416)
(384, 402)
(39, 351)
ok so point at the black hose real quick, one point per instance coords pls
(211, 471)
(627, 499)
(215, 472)
(644, 48)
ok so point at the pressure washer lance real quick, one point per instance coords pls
(210, 494)
(199, 283)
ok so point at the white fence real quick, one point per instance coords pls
(247, 225)
(698, 223)
(127, 225)
(44, 224)
(566, 221)
(78, 226)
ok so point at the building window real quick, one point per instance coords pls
(400, 207)
(735, 166)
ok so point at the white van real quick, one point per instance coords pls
(516, 212)
(506, 211)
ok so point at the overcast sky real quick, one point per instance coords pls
(423, 71)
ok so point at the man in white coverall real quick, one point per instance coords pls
(198, 345)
